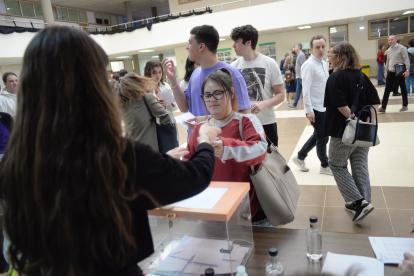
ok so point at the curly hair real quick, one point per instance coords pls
(246, 33)
(149, 66)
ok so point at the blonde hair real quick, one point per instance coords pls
(347, 55)
(288, 60)
(133, 87)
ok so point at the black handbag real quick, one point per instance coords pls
(400, 69)
(166, 134)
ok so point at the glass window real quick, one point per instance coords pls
(399, 25)
(412, 24)
(38, 10)
(379, 28)
(98, 17)
(27, 9)
(82, 17)
(62, 14)
(106, 19)
(55, 15)
(116, 66)
(13, 7)
(73, 15)
(114, 20)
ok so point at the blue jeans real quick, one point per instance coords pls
(407, 83)
(380, 73)
(318, 139)
(298, 91)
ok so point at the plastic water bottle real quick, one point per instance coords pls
(314, 240)
(273, 267)
(241, 271)
(209, 272)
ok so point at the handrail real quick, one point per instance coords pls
(139, 20)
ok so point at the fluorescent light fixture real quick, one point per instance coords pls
(408, 12)
(304, 27)
(222, 39)
(155, 56)
(145, 51)
(362, 28)
(123, 57)
(333, 31)
(395, 19)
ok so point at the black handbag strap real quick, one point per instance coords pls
(149, 110)
(367, 109)
(360, 86)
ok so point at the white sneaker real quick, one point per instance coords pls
(326, 170)
(300, 163)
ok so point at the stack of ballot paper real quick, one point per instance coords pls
(391, 250)
(195, 255)
(345, 265)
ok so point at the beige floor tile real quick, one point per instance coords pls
(384, 118)
(335, 199)
(302, 217)
(402, 116)
(312, 195)
(399, 197)
(401, 222)
(377, 223)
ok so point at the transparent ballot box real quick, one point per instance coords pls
(211, 230)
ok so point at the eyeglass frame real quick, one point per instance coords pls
(212, 94)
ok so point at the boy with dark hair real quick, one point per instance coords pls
(8, 97)
(202, 48)
(263, 79)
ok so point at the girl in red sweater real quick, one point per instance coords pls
(233, 155)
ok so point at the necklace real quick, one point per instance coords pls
(218, 122)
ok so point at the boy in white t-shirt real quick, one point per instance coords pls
(263, 79)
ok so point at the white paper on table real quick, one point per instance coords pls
(209, 252)
(237, 254)
(391, 250)
(172, 265)
(207, 199)
(184, 117)
(192, 268)
(167, 96)
(344, 265)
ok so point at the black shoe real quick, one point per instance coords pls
(362, 211)
(351, 207)
(396, 94)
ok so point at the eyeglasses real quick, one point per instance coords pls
(218, 95)
(329, 56)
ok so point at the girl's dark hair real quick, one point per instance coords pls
(63, 178)
(189, 68)
(116, 77)
(224, 79)
(151, 64)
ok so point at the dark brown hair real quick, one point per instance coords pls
(224, 79)
(6, 74)
(348, 56)
(132, 88)
(151, 64)
(63, 178)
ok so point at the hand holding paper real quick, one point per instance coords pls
(167, 96)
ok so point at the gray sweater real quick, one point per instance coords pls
(300, 60)
(397, 55)
(140, 126)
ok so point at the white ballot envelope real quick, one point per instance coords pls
(183, 117)
(167, 96)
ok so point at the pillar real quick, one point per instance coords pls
(136, 65)
(154, 11)
(47, 11)
(128, 12)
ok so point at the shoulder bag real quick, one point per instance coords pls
(276, 187)
(359, 133)
(166, 134)
(400, 69)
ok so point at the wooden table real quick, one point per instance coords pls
(291, 244)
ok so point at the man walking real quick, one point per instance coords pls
(8, 97)
(314, 76)
(396, 54)
(202, 49)
(300, 60)
(266, 91)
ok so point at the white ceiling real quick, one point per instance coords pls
(140, 8)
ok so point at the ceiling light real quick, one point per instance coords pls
(304, 27)
(145, 51)
(221, 39)
(362, 28)
(333, 31)
(122, 57)
(408, 12)
(155, 56)
(362, 18)
(395, 19)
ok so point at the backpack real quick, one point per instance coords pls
(289, 75)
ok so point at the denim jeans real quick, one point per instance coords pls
(318, 139)
(407, 83)
(389, 84)
(380, 73)
(298, 91)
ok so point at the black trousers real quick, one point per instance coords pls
(389, 84)
(271, 134)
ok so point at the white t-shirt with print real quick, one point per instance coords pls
(260, 74)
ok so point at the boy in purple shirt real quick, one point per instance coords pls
(202, 48)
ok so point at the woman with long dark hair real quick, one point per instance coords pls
(190, 66)
(75, 193)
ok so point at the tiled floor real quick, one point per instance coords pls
(390, 168)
